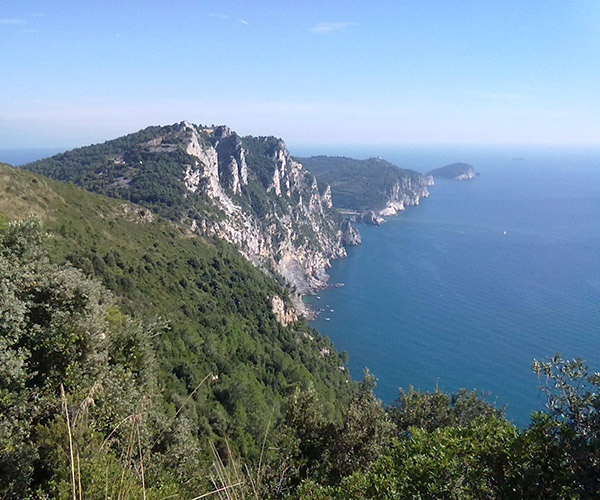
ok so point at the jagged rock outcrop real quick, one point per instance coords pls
(369, 189)
(350, 235)
(284, 314)
(371, 217)
(247, 191)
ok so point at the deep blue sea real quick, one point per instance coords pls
(467, 288)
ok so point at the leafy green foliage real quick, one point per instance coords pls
(447, 463)
(218, 317)
(430, 410)
(54, 331)
(318, 450)
(137, 167)
(571, 430)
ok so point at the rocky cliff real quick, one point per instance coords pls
(247, 191)
(368, 189)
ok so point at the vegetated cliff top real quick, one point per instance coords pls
(362, 185)
(245, 190)
(456, 171)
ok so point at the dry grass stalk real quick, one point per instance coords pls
(79, 477)
(217, 491)
(85, 404)
(141, 460)
(125, 459)
(63, 397)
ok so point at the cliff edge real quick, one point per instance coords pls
(247, 191)
(371, 189)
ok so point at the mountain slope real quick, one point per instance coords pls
(372, 188)
(224, 316)
(247, 191)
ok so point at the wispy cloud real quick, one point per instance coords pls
(244, 22)
(326, 28)
(219, 16)
(11, 21)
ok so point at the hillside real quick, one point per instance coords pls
(221, 315)
(159, 387)
(247, 191)
(371, 189)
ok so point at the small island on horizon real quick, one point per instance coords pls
(455, 171)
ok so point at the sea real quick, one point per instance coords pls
(20, 156)
(466, 289)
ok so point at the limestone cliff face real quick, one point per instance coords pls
(350, 235)
(405, 192)
(275, 213)
(368, 189)
(284, 314)
(247, 191)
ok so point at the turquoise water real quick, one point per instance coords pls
(468, 288)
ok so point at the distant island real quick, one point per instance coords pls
(456, 171)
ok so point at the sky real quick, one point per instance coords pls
(76, 72)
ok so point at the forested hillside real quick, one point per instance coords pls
(140, 360)
(370, 189)
(205, 315)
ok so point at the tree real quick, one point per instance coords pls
(431, 410)
(365, 434)
(570, 431)
(58, 327)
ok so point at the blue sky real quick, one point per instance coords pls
(311, 72)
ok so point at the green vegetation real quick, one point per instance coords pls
(460, 447)
(216, 318)
(147, 168)
(138, 360)
(362, 185)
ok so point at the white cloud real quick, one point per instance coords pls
(326, 28)
(244, 22)
(11, 21)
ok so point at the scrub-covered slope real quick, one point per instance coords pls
(247, 191)
(221, 315)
